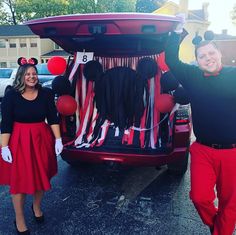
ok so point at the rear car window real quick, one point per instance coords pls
(43, 69)
(5, 73)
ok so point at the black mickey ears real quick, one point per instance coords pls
(208, 36)
(196, 40)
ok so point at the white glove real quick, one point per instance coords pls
(6, 154)
(58, 146)
(180, 26)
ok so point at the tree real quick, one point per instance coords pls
(31, 9)
(18, 11)
(7, 12)
(148, 5)
(233, 15)
(116, 6)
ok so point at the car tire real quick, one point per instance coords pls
(179, 168)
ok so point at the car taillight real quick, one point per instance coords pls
(182, 121)
(183, 115)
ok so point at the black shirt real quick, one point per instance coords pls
(15, 108)
(212, 98)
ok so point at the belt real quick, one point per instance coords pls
(217, 146)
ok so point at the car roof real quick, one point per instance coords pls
(107, 33)
(8, 68)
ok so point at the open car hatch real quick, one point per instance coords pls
(107, 34)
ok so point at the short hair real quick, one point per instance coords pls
(204, 43)
(18, 82)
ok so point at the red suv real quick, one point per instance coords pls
(125, 109)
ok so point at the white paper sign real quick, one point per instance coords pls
(84, 57)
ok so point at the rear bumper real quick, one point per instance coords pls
(75, 155)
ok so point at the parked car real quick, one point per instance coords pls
(117, 40)
(7, 76)
(43, 73)
(48, 84)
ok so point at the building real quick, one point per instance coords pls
(19, 41)
(226, 43)
(196, 23)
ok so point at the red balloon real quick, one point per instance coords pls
(56, 65)
(165, 103)
(66, 105)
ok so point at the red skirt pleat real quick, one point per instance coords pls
(34, 160)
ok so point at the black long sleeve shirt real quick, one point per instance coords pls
(212, 98)
(15, 108)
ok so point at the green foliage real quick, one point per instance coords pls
(5, 18)
(7, 12)
(115, 6)
(148, 5)
(31, 9)
(233, 15)
(18, 11)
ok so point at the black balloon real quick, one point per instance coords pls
(168, 82)
(181, 96)
(147, 67)
(92, 70)
(61, 85)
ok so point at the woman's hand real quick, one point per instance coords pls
(6, 154)
(58, 146)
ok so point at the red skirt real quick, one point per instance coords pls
(34, 160)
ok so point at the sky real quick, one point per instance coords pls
(219, 14)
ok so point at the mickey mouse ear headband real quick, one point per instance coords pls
(208, 36)
(23, 61)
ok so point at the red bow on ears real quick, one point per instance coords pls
(23, 61)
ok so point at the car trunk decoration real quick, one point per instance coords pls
(125, 108)
(124, 100)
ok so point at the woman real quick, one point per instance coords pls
(28, 155)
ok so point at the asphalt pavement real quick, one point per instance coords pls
(101, 199)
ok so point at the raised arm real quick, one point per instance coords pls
(182, 71)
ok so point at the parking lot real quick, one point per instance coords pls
(101, 199)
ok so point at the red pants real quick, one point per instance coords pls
(209, 168)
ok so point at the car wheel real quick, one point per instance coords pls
(180, 167)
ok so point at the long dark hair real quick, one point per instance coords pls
(19, 83)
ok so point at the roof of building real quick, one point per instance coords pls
(196, 15)
(224, 36)
(56, 53)
(15, 30)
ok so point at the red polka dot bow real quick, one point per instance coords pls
(24, 61)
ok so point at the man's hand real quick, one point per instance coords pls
(58, 146)
(180, 26)
(6, 154)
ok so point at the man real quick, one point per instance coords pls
(212, 91)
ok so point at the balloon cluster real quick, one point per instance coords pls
(170, 84)
(66, 104)
(171, 90)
